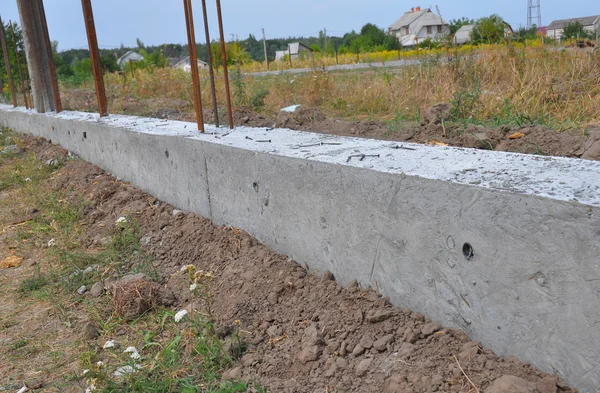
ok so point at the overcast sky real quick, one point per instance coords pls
(162, 21)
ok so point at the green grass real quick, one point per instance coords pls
(32, 284)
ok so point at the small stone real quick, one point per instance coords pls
(383, 342)
(177, 212)
(146, 240)
(328, 276)
(380, 316)
(363, 367)
(273, 298)
(341, 363)
(310, 354)
(358, 350)
(97, 290)
(406, 349)
(511, 384)
(468, 352)
(82, 289)
(274, 331)
(430, 328)
(90, 331)
(312, 336)
(411, 336)
(547, 384)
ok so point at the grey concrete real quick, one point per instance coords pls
(341, 67)
(396, 222)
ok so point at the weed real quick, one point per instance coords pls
(32, 284)
(257, 98)
(19, 344)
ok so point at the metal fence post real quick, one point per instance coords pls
(225, 72)
(90, 27)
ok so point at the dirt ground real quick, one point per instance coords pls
(302, 331)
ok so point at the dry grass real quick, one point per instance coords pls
(496, 84)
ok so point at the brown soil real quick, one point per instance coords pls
(305, 333)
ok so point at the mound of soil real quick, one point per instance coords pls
(304, 332)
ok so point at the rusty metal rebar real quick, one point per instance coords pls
(22, 80)
(225, 72)
(191, 35)
(211, 70)
(90, 27)
(51, 66)
(13, 95)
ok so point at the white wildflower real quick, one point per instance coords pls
(121, 220)
(28, 179)
(100, 363)
(193, 287)
(109, 344)
(51, 243)
(180, 314)
(134, 352)
(121, 371)
(85, 371)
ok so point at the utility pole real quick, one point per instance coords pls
(37, 50)
(265, 46)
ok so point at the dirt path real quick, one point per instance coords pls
(285, 328)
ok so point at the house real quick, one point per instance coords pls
(295, 50)
(589, 23)
(184, 63)
(464, 34)
(418, 25)
(129, 56)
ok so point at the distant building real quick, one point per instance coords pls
(131, 55)
(295, 50)
(464, 34)
(184, 63)
(556, 28)
(418, 25)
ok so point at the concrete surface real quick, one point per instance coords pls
(397, 221)
(341, 67)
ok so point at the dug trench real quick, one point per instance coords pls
(284, 328)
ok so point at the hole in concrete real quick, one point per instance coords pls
(84, 135)
(255, 186)
(468, 251)
(167, 153)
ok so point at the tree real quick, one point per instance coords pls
(575, 30)
(489, 30)
(456, 24)
(140, 44)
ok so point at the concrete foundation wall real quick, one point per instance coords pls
(531, 290)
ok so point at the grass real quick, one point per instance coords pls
(492, 85)
(46, 316)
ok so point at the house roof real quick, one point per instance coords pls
(294, 47)
(585, 21)
(424, 17)
(186, 60)
(131, 55)
(463, 34)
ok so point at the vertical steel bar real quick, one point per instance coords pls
(13, 95)
(191, 35)
(225, 72)
(22, 80)
(90, 27)
(210, 64)
(51, 66)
